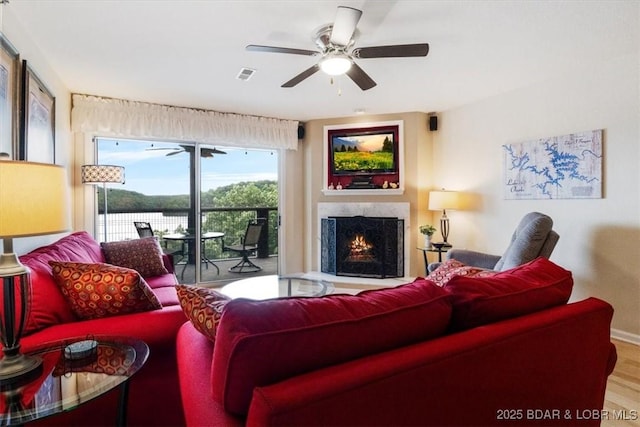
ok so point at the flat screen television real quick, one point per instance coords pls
(366, 151)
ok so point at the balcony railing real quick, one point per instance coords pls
(231, 221)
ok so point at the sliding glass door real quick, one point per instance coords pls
(198, 200)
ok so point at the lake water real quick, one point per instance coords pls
(120, 225)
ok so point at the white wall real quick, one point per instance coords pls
(19, 38)
(599, 238)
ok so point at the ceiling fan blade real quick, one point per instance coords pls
(360, 78)
(394, 51)
(273, 49)
(209, 152)
(344, 25)
(303, 75)
(173, 153)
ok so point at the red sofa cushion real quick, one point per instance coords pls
(47, 304)
(531, 287)
(164, 281)
(96, 290)
(262, 342)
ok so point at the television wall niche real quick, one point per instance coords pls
(363, 156)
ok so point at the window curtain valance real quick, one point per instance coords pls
(131, 119)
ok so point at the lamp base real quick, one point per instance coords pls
(13, 369)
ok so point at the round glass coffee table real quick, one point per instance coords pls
(273, 286)
(65, 382)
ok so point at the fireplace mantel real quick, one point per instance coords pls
(389, 209)
(370, 192)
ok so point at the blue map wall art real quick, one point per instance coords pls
(558, 167)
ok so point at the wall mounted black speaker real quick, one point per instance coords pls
(300, 131)
(433, 123)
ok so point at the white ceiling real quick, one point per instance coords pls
(188, 52)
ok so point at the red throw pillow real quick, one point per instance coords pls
(452, 267)
(525, 289)
(203, 307)
(263, 342)
(143, 255)
(101, 290)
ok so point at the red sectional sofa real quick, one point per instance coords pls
(154, 396)
(503, 349)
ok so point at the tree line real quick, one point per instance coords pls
(239, 195)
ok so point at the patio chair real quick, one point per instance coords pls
(144, 230)
(247, 245)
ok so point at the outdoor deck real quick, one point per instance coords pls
(209, 274)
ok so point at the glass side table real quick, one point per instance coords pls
(439, 250)
(64, 383)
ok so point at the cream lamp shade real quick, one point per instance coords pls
(33, 199)
(442, 200)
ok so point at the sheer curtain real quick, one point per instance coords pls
(118, 117)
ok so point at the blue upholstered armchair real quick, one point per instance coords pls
(533, 237)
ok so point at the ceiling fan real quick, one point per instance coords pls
(204, 152)
(335, 40)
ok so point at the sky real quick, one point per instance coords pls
(149, 170)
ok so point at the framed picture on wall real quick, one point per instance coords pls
(37, 124)
(9, 72)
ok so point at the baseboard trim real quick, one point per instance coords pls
(625, 336)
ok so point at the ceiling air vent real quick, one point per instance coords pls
(245, 74)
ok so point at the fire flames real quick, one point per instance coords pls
(360, 249)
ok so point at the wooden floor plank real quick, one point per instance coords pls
(622, 398)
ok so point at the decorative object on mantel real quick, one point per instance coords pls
(33, 202)
(427, 230)
(558, 167)
(103, 174)
(443, 200)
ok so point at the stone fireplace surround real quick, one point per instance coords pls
(400, 210)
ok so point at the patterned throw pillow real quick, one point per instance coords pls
(101, 290)
(452, 267)
(203, 307)
(143, 255)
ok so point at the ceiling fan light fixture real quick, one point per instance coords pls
(335, 64)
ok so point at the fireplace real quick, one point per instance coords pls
(360, 246)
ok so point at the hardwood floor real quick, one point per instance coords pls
(622, 399)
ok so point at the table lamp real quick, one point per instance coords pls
(103, 174)
(443, 200)
(33, 202)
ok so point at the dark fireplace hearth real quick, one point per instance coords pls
(359, 246)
